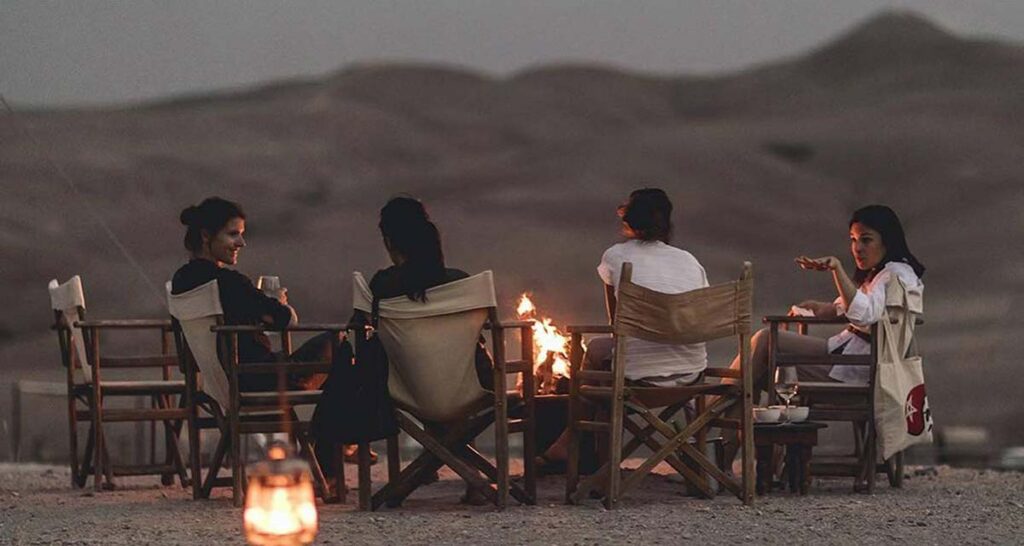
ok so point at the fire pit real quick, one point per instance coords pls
(550, 349)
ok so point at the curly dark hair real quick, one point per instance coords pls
(647, 215)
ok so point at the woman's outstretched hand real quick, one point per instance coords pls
(827, 263)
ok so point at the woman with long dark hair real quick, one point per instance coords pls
(880, 252)
(414, 245)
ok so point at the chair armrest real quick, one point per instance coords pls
(785, 319)
(140, 361)
(509, 324)
(589, 329)
(306, 327)
(129, 324)
(320, 366)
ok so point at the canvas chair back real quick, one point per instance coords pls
(431, 345)
(68, 300)
(197, 311)
(699, 315)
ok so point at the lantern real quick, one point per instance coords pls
(279, 505)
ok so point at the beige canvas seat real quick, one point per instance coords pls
(846, 402)
(432, 379)
(208, 353)
(646, 412)
(93, 380)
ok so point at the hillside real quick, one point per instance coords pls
(523, 174)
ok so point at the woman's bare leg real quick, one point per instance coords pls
(599, 352)
(789, 343)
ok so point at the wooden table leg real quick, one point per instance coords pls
(805, 468)
(764, 469)
(794, 467)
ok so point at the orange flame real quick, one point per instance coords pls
(548, 342)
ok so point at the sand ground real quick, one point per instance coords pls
(937, 506)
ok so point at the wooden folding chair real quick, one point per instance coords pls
(209, 355)
(853, 403)
(88, 391)
(439, 401)
(691, 317)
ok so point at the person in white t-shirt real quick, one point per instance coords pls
(647, 226)
(879, 248)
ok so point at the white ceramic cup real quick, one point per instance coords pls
(767, 415)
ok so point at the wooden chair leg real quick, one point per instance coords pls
(237, 465)
(194, 450)
(99, 452)
(87, 463)
(394, 458)
(365, 483)
(72, 438)
(614, 456)
(339, 473)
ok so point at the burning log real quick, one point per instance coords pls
(550, 350)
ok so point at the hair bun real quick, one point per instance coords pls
(190, 216)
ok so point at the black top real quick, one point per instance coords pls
(388, 283)
(243, 304)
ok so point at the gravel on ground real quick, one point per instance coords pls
(938, 505)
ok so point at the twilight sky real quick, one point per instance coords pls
(95, 52)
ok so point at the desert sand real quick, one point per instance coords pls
(938, 505)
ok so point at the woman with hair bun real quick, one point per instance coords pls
(214, 237)
(647, 226)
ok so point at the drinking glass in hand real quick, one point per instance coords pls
(786, 385)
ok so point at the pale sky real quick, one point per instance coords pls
(94, 52)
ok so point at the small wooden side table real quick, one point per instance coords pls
(799, 439)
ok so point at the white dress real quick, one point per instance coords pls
(866, 309)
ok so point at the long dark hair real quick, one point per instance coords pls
(647, 215)
(210, 216)
(883, 220)
(407, 229)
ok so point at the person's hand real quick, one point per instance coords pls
(812, 306)
(827, 263)
(282, 296)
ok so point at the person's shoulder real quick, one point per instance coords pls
(902, 270)
(618, 249)
(385, 282)
(680, 254)
(452, 274)
(192, 274)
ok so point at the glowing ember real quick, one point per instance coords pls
(550, 347)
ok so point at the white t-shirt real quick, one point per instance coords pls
(665, 269)
(866, 308)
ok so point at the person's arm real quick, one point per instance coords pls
(610, 302)
(844, 285)
(252, 302)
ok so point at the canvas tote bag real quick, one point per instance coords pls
(902, 415)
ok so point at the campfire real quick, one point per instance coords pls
(550, 350)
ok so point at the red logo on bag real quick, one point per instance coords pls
(916, 410)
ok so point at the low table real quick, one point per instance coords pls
(799, 439)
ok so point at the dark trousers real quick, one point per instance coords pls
(317, 348)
